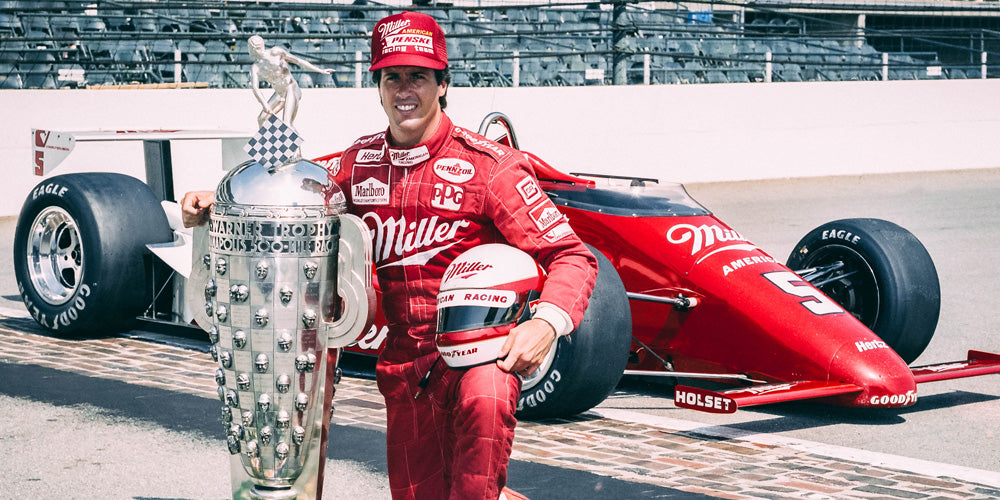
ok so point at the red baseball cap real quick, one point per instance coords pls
(408, 39)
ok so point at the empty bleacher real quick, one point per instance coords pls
(52, 45)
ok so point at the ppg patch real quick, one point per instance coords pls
(529, 190)
(274, 144)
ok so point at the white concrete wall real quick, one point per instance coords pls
(682, 133)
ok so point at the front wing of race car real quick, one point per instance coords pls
(728, 401)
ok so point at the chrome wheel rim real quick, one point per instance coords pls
(55, 255)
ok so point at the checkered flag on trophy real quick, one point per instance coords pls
(274, 144)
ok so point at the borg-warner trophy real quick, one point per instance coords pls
(281, 280)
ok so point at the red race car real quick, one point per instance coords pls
(679, 293)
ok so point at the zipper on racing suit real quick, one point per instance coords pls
(426, 380)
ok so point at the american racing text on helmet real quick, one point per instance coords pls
(485, 292)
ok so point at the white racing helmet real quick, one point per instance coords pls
(485, 292)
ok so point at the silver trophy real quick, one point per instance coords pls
(281, 280)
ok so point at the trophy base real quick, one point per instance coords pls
(272, 492)
(309, 484)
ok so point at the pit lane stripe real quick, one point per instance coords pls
(872, 458)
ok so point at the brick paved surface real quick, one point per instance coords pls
(693, 462)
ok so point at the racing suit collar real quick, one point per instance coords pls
(421, 152)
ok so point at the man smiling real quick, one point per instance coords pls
(429, 191)
(410, 97)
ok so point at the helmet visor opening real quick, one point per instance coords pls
(461, 318)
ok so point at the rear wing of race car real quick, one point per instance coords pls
(49, 148)
(978, 363)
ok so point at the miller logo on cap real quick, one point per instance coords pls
(408, 39)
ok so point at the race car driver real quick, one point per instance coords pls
(430, 190)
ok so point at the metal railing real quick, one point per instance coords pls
(570, 44)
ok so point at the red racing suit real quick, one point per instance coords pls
(424, 206)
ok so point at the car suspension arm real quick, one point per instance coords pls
(680, 302)
(671, 373)
(813, 274)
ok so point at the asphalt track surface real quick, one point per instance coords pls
(70, 436)
(148, 444)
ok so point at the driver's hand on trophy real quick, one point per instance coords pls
(328, 70)
(526, 347)
(195, 207)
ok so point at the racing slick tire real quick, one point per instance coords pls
(79, 251)
(586, 365)
(888, 280)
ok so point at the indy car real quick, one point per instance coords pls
(679, 293)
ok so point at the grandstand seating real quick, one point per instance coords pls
(111, 43)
